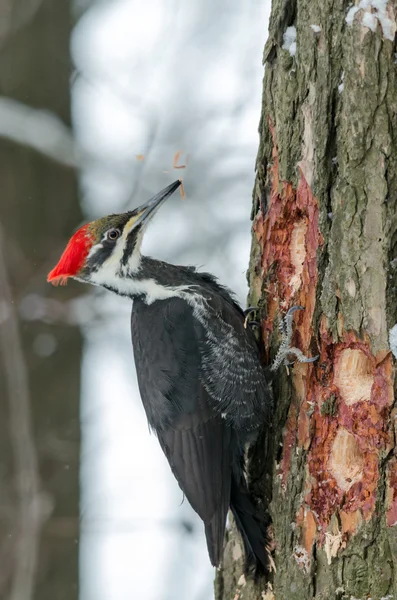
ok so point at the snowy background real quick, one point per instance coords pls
(152, 79)
(147, 80)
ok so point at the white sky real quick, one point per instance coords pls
(156, 77)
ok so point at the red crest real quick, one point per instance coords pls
(73, 256)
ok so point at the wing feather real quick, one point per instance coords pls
(194, 437)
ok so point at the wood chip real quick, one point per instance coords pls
(176, 160)
(182, 190)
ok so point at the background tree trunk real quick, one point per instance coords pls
(39, 394)
(325, 237)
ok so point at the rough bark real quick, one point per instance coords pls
(325, 237)
(39, 387)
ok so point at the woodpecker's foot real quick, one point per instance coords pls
(247, 321)
(249, 310)
(253, 323)
(285, 348)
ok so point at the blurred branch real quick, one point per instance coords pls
(100, 525)
(16, 14)
(39, 129)
(31, 505)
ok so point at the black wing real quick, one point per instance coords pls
(167, 342)
(232, 372)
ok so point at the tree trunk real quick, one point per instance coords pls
(325, 237)
(40, 347)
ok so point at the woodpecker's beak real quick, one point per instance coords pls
(149, 208)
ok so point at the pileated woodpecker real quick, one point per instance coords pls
(201, 380)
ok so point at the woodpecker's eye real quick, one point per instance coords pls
(113, 234)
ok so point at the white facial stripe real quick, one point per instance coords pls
(128, 226)
(111, 272)
(113, 263)
(114, 259)
(93, 249)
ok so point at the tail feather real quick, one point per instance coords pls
(252, 528)
(215, 533)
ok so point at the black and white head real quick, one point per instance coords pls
(107, 252)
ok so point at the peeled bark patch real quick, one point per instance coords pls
(346, 461)
(298, 253)
(308, 524)
(350, 521)
(289, 237)
(354, 376)
(350, 432)
(391, 515)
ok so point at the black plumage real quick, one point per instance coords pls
(205, 394)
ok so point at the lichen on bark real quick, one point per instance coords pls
(325, 236)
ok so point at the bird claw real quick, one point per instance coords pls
(286, 322)
(247, 313)
(251, 323)
(285, 348)
(254, 323)
(249, 310)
